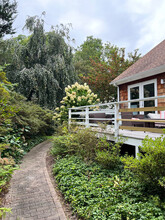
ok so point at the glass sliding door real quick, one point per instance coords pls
(149, 91)
(142, 90)
(134, 94)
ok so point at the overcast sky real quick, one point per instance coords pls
(126, 23)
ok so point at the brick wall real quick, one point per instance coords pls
(160, 87)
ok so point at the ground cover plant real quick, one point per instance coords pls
(100, 184)
(97, 193)
(7, 167)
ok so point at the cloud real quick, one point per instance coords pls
(149, 15)
(84, 23)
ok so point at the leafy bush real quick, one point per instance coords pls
(108, 154)
(37, 120)
(97, 193)
(6, 171)
(150, 167)
(30, 143)
(83, 143)
(76, 95)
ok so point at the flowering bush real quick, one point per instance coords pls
(76, 95)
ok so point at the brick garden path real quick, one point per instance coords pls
(32, 195)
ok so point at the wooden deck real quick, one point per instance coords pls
(106, 119)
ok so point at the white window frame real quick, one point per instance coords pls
(141, 92)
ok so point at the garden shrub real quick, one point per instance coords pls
(31, 116)
(83, 143)
(60, 145)
(150, 167)
(76, 95)
(108, 153)
(6, 170)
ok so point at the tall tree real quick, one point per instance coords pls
(92, 48)
(104, 67)
(41, 64)
(8, 12)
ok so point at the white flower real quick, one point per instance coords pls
(76, 84)
(98, 100)
(78, 87)
(86, 88)
(72, 97)
(62, 107)
(89, 91)
(57, 109)
(69, 87)
(74, 93)
(79, 99)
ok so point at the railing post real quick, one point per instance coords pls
(69, 118)
(136, 151)
(87, 117)
(116, 120)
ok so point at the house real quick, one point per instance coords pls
(145, 78)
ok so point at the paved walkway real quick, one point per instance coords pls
(32, 195)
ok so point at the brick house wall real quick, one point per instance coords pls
(123, 94)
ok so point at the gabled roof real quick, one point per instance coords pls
(150, 64)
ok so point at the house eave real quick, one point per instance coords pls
(141, 75)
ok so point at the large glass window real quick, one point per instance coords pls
(140, 91)
(134, 94)
(149, 91)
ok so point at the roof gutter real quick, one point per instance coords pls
(141, 75)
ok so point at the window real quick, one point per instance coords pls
(142, 90)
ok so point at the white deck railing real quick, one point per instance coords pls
(110, 114)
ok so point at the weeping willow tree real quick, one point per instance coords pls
(41, 64)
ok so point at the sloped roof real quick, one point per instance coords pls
(153, 59)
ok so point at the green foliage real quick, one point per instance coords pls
(42, 66)
(3, 211)
(6, 110)
(97, 193)
(60, 145)
(92, 48)
(15, 142)
(31, 118)
(76, 95)
(85, 144)
(30, 143)
(108, 154)
(82, 142)
(98, 64)
(150, 167)
(7, 12)
(6, 172)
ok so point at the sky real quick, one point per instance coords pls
(125, 23)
